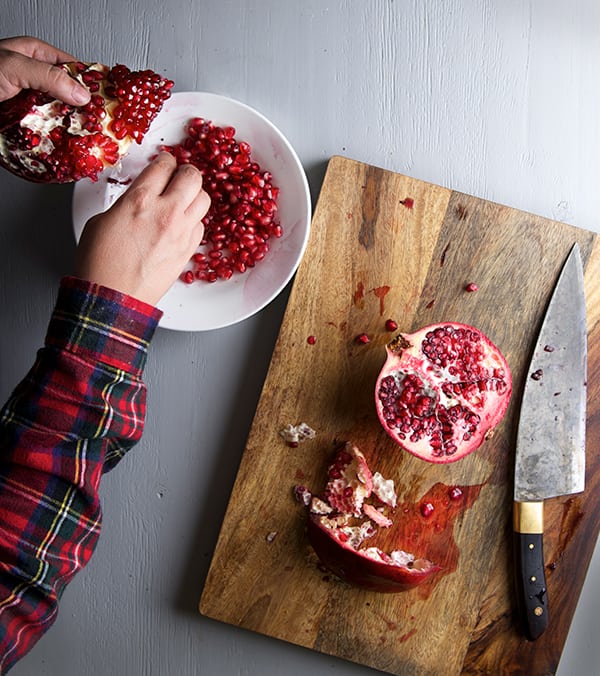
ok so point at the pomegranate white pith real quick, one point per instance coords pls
(45, 140)
(442, 391)
(354, 505)
(296, 434)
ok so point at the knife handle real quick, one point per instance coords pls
(530, 580)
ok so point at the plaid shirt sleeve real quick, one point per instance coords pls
(73, 417)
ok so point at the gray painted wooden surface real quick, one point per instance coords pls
(496, 99)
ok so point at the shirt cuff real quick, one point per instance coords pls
(102, 325)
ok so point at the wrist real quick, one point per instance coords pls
(102, 324)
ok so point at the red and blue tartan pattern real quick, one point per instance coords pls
(77, 412)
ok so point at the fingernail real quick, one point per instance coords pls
(80, 95)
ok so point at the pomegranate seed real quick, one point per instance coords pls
(390, 325)
(362, 339)
(455, 493)
(471, 287)
(311, 340)
(427, 509)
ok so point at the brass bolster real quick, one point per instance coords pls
(528, 517)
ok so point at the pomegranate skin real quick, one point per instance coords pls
(357, 568)
(442, 390)
(45, 140)
(341, 522)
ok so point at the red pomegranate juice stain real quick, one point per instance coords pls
(359, 294)
(381, 292)
(429, 532)
(408, 634)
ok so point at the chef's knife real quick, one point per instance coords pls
(550, 454)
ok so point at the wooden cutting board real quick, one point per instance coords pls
(386, 245)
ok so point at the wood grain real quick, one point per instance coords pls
(372, 255)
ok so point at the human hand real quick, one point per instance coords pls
(29, 63)
(141, 244)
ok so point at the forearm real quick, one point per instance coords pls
(77, 412)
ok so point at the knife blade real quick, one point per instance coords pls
(550, 447)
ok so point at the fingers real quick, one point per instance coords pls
(36, 49)
(156, 176)
(19, 71)
(185, 189)
(185, 184)
(181, 185)
(55, 81)
(199, 206)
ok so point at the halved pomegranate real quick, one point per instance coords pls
(47, 141)
(442, 391)
(342, 520)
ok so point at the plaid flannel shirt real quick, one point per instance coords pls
(77, 412)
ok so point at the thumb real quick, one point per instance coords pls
(55, 81)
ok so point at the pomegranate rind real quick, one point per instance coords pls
(442, 391)
(359, 568)
(341, 521)
(45, 140)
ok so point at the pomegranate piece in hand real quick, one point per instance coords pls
(48, 141)
(442, 391)
(342, 521)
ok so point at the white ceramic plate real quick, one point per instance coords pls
(204, 306)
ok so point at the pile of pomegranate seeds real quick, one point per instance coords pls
(242, 216)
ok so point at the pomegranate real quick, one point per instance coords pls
(353, 506)
(243, 214)
(47, 141)
(442, 391)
